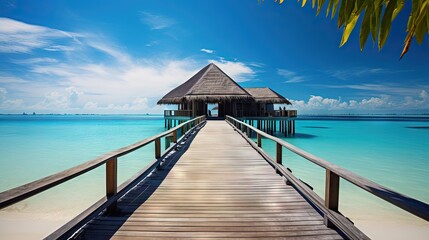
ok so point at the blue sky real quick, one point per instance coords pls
(122, 56)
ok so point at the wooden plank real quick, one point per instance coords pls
(409, 204)
(111, 181)
(157, 148)
(25, 191)
(219, 188)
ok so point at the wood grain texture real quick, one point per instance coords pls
(409, 204)
(219, 188)
(25, 191)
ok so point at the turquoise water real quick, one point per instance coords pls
(36, 146)
(391, 151)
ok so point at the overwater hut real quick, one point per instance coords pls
(212, 86)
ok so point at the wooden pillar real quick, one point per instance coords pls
(175, 136)
(286, 127)
(259, 140)
(168, 140)
(279, 155)
(157, 148)
(279, 149)
(332, 193)
(111, 181)
(293, 129)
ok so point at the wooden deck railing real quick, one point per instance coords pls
(23, 192)
(270, 113)
(330, 205)
(178, 113)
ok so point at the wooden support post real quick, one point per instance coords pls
(168, 139)
(279, 155)
(259, 136)
(157, 148)
(293, 129)
(175, 136)
(332, 193)
(248, 131)
(111, 181)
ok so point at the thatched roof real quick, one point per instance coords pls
(210, 84)
(266, 95)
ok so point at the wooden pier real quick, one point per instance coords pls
(213, 182)
(217, 189)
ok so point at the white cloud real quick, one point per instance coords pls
(424, 95)
(36, 60)
(295, 79)
(358, 72)
(238, 71)
(110, 50)
(207, 50)
(290, 76)
(12, 104)
(11, 79)
(319, 104)
(152, 43)
(56, 48)
(20, 37)
(156, 22)
(285, 73)
(3, 93)
(383, 88)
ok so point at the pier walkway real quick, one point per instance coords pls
(212, 181)
(219, 188)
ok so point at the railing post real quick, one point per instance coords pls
(111, 181)
(332, 192)
(175, 136)
(157, 148)
(259, 140)
(279, 154)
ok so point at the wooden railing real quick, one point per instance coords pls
(330, 205)
(178, 113)
(23, 192)
(270, 113)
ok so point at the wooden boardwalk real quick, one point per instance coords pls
(219, 188)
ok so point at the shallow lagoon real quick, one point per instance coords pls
(391, 151)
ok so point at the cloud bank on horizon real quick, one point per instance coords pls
(53, 70)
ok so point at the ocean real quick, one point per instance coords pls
(390, 150)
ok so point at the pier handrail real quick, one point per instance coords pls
(178, 113)
(333, 175)
(25, 191)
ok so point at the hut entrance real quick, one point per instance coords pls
(213, 109)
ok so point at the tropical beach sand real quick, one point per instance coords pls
(385, 229)
(22, 226)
